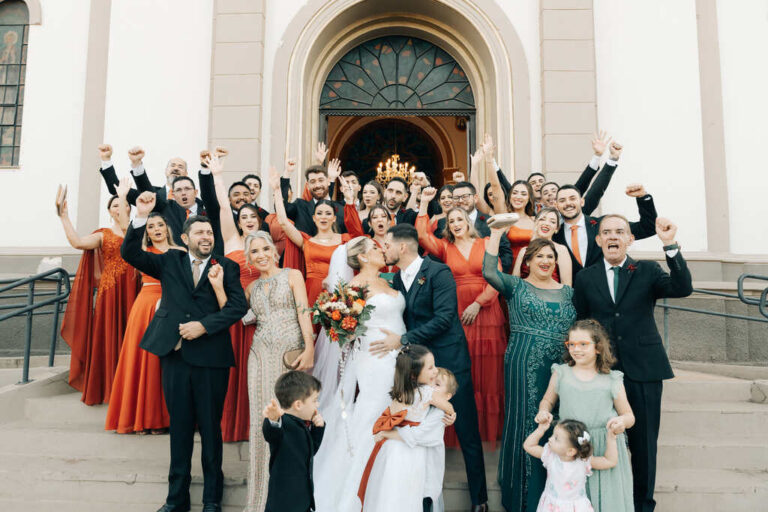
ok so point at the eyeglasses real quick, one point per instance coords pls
(464, 197)
(577, 344)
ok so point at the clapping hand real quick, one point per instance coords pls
(636, 190)
(145, 203)
(616, 425)
(105, 152)
(273, 411)
(216, 276)
(666, 230)
(136, 155)
(600, 142)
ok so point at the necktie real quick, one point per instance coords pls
(196, 270)
(170, 194)
(188, 212)
(575, 243)
(615, 282)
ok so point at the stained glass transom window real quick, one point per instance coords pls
(14, 32)
(397, 73)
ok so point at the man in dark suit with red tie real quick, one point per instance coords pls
(190, 335)
(621, 294)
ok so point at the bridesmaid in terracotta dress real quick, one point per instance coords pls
(235, 418)
(94, 332)
(519, 201)
(547, 223)
(481, 316)
(136, 403)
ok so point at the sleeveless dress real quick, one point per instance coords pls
(564, 491)
(95, 333)
(234, 418)
(591, 402)
(539, 320)
(486, 337)
(348, 438)
(137, 402)
(518, 238)
(317, 258)
(277, 331)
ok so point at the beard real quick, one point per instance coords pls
(319, 193)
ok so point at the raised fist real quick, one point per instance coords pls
(616, 150)
(636, 190)
(666, 230)
(136, 154)
(216, 277)
(105, 152)
(221, 151)
(290, 167)
(458, 175)
(428, 194)
(204, 156)
(145, 203)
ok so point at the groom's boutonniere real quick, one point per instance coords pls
(631, 267)
(422, 280)
(214, 262)
(593, 222)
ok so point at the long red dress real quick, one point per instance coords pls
(137, 402)
(518, 238)
(486, 337)
(235, 418)
(317, 258)
(95, 333)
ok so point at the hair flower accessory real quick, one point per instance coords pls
(422, 280)
(584, 439)
(631, 267)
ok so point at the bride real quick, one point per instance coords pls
(348, 438)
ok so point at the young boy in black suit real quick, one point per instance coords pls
(294, 429)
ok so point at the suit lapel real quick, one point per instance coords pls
(415, 286)
(602, 282)
(592, 246)
(203, 273)
(186, 270)
(625, 276)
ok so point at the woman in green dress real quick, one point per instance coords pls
(540, 314)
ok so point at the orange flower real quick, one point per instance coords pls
(349, 323)
(333, 335)
(336, 315)
(361, 302)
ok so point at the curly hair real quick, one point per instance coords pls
(605, 358)
(574, 430)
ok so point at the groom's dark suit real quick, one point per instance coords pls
(432, 320)
(195, 376)
(638, 348)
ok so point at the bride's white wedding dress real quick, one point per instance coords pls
(348, 439)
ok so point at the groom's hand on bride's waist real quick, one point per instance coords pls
(383, 346)
(191, 330)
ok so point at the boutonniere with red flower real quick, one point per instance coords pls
(631, 267)
(422, 280)
(593, 222)
(214, 262)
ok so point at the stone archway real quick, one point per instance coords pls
(477, 34)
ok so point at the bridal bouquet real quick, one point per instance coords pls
(342, 312)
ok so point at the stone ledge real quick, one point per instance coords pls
(759, 391)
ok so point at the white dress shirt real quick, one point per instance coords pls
(595, 162)
(473, 216)
(609, 276)
(191, 263)
(582, 236)
(408, 274)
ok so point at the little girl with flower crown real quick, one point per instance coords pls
(590, 392)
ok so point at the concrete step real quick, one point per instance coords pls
(106, 480)
(690, 386)
(64, 409)
(77, 440)
(717, 453)
(40, 505)
(711, 490)
(714, 419)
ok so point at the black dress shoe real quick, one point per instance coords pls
(171, 508)
(480, 508)
(211, 507)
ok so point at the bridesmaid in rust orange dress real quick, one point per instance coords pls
(479, 308)
(94, 333)
(137, 403)
(235, 420)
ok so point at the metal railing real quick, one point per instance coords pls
(32, 307)
(761, 303)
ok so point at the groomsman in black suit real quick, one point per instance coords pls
(432, 320)
(578, 230)
(320, 182)
(190, 334)
(465, 196)
(621, 294)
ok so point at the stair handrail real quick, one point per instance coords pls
(28, 309)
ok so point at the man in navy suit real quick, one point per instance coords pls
(190, 335)
(432, 320)
(621, 294)
(465, 196)
(320, 183)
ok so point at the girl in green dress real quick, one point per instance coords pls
(590, 392)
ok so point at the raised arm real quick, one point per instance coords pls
(229, 233)
(82, 243)
(476, 164)
(216, 278)
(517, 271)
(123, 214)
(235, 307)
(502, 282)
(600, 142)
(131, 250)
(136, 156)
(499, 205)
(678, 283)
(595, 193)
(427, 239)
(646, 226)
(293, 234)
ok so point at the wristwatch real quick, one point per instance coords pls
(404, 339)
(671, 247)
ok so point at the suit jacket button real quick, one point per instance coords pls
(187, 315)
(617, 314)
(619, 338)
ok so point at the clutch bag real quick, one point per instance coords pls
(290, 357)
(503, 220)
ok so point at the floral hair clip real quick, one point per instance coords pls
(583, 439)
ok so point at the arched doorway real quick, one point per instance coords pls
(398, 94)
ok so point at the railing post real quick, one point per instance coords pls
(55, 328)
(666, 325)
(28, 334)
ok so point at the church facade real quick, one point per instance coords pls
(421, 78)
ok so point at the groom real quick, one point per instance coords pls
(190, 334)
(432, 320)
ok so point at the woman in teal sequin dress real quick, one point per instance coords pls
(540, 314)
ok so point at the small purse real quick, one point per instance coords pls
(290, 357)
(503, 220)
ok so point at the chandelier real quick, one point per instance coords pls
(393, 168)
